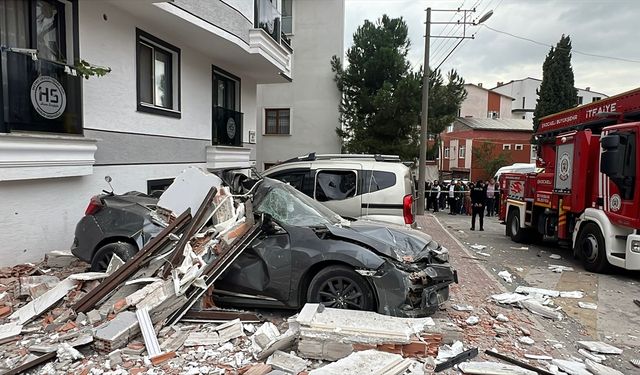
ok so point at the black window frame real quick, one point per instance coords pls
(278, 127)
(158, 184)
(307, 184)
(62, 25)
(175, 112)
(218, 74)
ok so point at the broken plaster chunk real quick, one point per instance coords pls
(599, 347)
(446, 352)
(462, 307)
(538, 309)
(571, 367)
(68, 353)
(538, 357)
(530, 290)
(265, 334)
(506, 276)
(493, 368)
(367, 362)
(526, 340)
(188, 190)
(592, 356)
(202, 339)
(94, 316)
(600, 369)
(555, 256)
(572, 294)
(509, 298)
(287, 362)
(478, 247)
(502, 318)
(472, 320)
(559, 269)
(59, 259)
(587, 305)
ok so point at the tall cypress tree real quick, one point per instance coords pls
(557, 91)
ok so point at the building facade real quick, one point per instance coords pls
(182, 91)
(525, 94)
(471, 142)
(300, 117)
(483, 103)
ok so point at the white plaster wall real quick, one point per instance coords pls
(312, 96)
(468, 153)
(476, 103)
(40, 215)
(505, 107)
(453, 153)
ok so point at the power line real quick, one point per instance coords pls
(448, 42)
(572, 50)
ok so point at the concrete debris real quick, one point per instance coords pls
(520, 248)
(502, 318)
(94, 317)
(600, 369)
(538, 309)
(114, 264)
(571, 367)
(592, 356)
(366, 362)
(599, 347)
(509, 298)
(202, 338)
(519, 269)
(449, 351)
(635, 362)
(229, 330)
(587, 305)
(572, 294)
(537, 291)
(526, 340)
(59, 259)
(493, 368)
(478, 247)
(506, 276)
(67, 352)
(44, 302)
(116, 333)
(10, 330)
(286, 340)
(148, 333)
(88, 276)
(35, 286)
(265, 334)
(462, 307)
(559, 269)
(538, 357)
(483, 254)
(472, 320)
(286, 362)
(188, 190)
(555, 256)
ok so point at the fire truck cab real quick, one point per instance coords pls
(588, 194)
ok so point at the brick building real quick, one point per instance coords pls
(490, 138)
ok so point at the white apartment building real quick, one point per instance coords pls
(525, 94)
(301, 116)
(484, 103)
(182, 91)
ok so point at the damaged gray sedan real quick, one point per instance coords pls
(307, 253)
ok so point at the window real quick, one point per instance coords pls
(534, 152)
(519, 147)
(301, 179)
(157, 187)
(524, 117)
(493, 114)
(227, 118)
(269, 165)
(277, 121)
(226, 90)
(461, 152)
(373, 181)
(580, 100)
(287, 16)
(446, 152)
(506, 147)
(523, 102)
(158, 75)
(450, 128)
(596, 98)
(335, 185)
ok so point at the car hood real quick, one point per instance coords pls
(395, 241)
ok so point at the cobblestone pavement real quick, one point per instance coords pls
(616, 320)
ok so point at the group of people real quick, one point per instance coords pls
(470, 199)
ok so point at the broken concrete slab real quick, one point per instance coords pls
(538, 309)
(600, 369)
(539, 291)
(509, 298)
(282, 342)
(94, 316)
(230, 330)
(324, 350)
(188, 190)
(366, 362)
(599, 347)
(202, 339)
(114, 264)
(493, 368)
(10, 330)
(587, 305)
(287, 362)
(266, 333)
(592, 356)
(35, 286)
(44, 302)
(506, 276)
(88, 276)
(115, 333)
(59, 259)
(571, 367)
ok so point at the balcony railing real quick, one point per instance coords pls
(268, 18)
(227, 127)
(39, 95)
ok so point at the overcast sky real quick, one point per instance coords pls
(606, 27)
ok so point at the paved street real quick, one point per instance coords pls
(617, 318)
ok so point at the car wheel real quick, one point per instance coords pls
(514, 228)
(342, 288)
(102, 257)
(590, 248)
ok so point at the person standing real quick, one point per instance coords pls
(459, 197)
(491, 197)
(427, 195)
(435, 195)
(452, 198)
(478, 197)
(496, 198)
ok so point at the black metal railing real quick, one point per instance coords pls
(227, 127)
(286, 42)
(268, 18)
(39, 95)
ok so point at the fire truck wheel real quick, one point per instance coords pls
(590, 248)
(514, 229)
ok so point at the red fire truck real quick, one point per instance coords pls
(588, 195)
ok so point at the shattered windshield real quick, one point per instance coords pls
(288, 206)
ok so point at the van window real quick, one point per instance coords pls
(335, 185)
(376, 180)
(300, 179)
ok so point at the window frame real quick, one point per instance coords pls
(506, 147)
(519, 147)
(144, 38)
(266, 111)
(315, 184)
(461, 152)
(447, 152)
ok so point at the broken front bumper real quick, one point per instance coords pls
(412, 294)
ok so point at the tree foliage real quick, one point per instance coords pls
(489, 161)
(557, 91)
(381, 94)
(445, 99)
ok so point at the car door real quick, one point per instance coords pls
(337, 188)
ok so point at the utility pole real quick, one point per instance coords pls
(422, 160)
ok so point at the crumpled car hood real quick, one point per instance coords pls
(394, 241)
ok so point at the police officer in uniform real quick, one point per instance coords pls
(478, 197)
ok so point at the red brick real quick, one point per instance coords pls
(162, 358)
(4, 311)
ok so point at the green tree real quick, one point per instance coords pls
(489, 160)
(381, 95)
(557, 91)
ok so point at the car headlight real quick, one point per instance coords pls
(635, 246)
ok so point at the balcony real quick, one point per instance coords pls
(41, 96)
(227, 150)
(268, 18)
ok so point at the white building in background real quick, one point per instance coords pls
(301, 116)
(182, 91)
(525, 94)
(484, 103)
